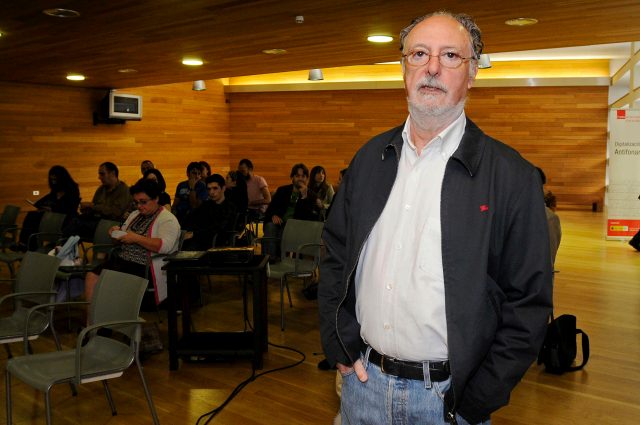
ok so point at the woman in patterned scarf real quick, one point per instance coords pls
(149, 230)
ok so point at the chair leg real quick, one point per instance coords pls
(8, 350)
(47, 406)
(7, 380)
(107, 391)
(282, 304)
(147, 393)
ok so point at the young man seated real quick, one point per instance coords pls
(211, 219)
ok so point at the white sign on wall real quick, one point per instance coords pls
(623, 172)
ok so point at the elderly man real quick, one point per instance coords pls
(436, 287)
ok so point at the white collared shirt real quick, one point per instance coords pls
(399, 279)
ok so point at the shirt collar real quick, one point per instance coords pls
(449, 138)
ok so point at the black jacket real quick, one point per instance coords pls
(306, 208)
(495, 257)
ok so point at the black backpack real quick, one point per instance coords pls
(559, 349)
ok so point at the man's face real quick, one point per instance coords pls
(433, 90)
(299, 179)
(106, 177)
(243, 169)
(215, 191)
(195, 174)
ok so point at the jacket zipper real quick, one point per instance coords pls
(346, 287)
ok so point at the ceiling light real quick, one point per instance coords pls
(521, 22)
(380, 38)
(274, 51)
(315, 74)
(75, 77)
(484, 62)
(61, 13)
(127, 70)
(192, 61)
(198, 85)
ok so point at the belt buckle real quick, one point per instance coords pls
(382, 363)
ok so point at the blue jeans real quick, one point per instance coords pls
(387, 399)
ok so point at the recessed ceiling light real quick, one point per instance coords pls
(75, 77)
(521, 22)
(61, 13)
(380, 38)
(127, 70)
(192, 61)
(274, 51)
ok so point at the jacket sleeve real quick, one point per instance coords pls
(524, 274)
(331, 289)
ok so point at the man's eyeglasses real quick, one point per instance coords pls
(449, 60)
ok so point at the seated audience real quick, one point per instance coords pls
(294, 200)
(189, 193)
(257, 190)
(110, 201)
(211, 219)
(63, 197)
(146, 165)
(153, 174)
(324, 191)
(149, 230)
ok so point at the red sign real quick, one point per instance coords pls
(622, 227)
(621, 114)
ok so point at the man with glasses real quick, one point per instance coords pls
(436, 287)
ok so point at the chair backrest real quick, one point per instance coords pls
(37, 274)
(101, 235)
(51, 222)
(9, 216)
(117, 297)
(300, 232)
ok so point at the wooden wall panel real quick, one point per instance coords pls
(41, 126)
(561, 129)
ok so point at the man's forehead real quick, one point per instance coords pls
(443, 30)
(213, 186)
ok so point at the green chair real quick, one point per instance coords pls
(49, 232)
(33, 286)
(300, 248)
(9, 236)
(115, 306)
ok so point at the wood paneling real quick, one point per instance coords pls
(560, 129)
(41, 126)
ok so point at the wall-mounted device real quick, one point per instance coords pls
(117, 108)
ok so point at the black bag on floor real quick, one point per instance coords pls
(559, 349)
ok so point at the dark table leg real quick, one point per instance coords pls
(173, 293)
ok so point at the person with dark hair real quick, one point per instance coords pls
(110, 201)
(436, 287)
(148, 230)
(63, 197)
(189, 193)
(211, 219)
(146, 165)
(236, 191)
(294, 200)
(153, 174)
(257, 189)
(206, 170)
(324, 191)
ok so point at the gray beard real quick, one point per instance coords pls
(433, 117)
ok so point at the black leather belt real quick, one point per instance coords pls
(438, 371)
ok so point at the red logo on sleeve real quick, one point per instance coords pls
(484, 208)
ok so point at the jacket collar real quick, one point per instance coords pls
(469, 153)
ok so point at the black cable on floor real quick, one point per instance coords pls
(211, 414)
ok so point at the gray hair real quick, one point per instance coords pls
(466, 21)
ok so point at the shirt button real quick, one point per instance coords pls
(399, 245)
(389, 286)
(407, 207)
(387, 326)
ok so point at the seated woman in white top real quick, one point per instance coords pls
(149, 230)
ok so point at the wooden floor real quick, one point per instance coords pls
(598, 280)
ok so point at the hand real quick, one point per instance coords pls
(361, 373)
(276, 220)
(130, 238)
(112, 228)
(192, 183)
